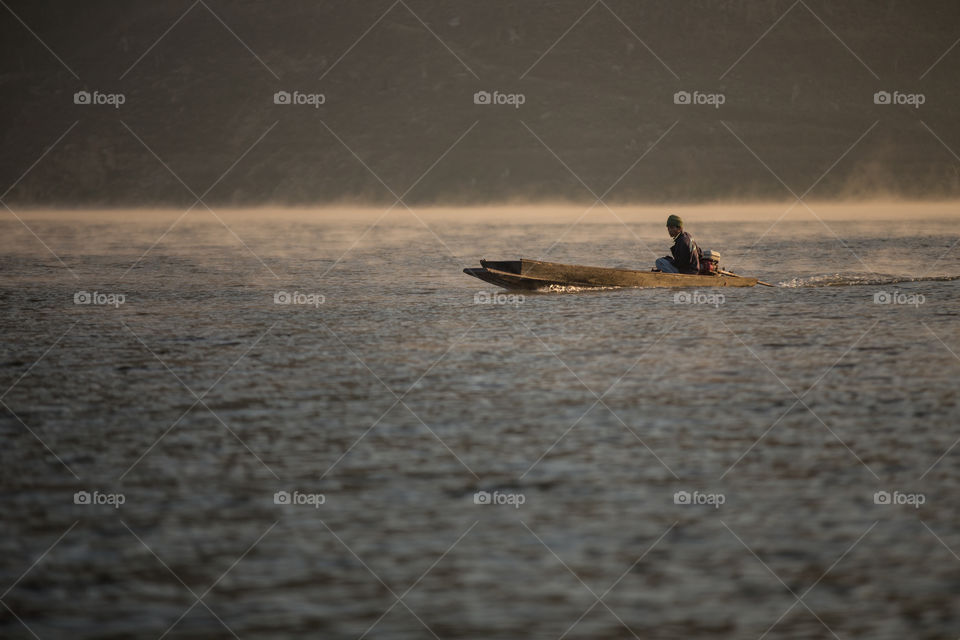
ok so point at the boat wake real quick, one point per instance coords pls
(565, 288)
(855, 279)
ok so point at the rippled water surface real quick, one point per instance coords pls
(399, 397)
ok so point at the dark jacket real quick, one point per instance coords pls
(686, 253)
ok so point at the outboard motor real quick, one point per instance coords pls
(710, 263)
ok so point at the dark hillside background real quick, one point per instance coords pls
(199, 98)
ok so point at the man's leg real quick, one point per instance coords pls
(666, 265)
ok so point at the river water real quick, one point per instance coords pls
(766, 462)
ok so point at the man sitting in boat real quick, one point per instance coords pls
(686, 253)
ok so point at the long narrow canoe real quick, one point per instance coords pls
(534, 274)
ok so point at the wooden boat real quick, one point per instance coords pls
(534, 274)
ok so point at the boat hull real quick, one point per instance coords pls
(531, 275)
